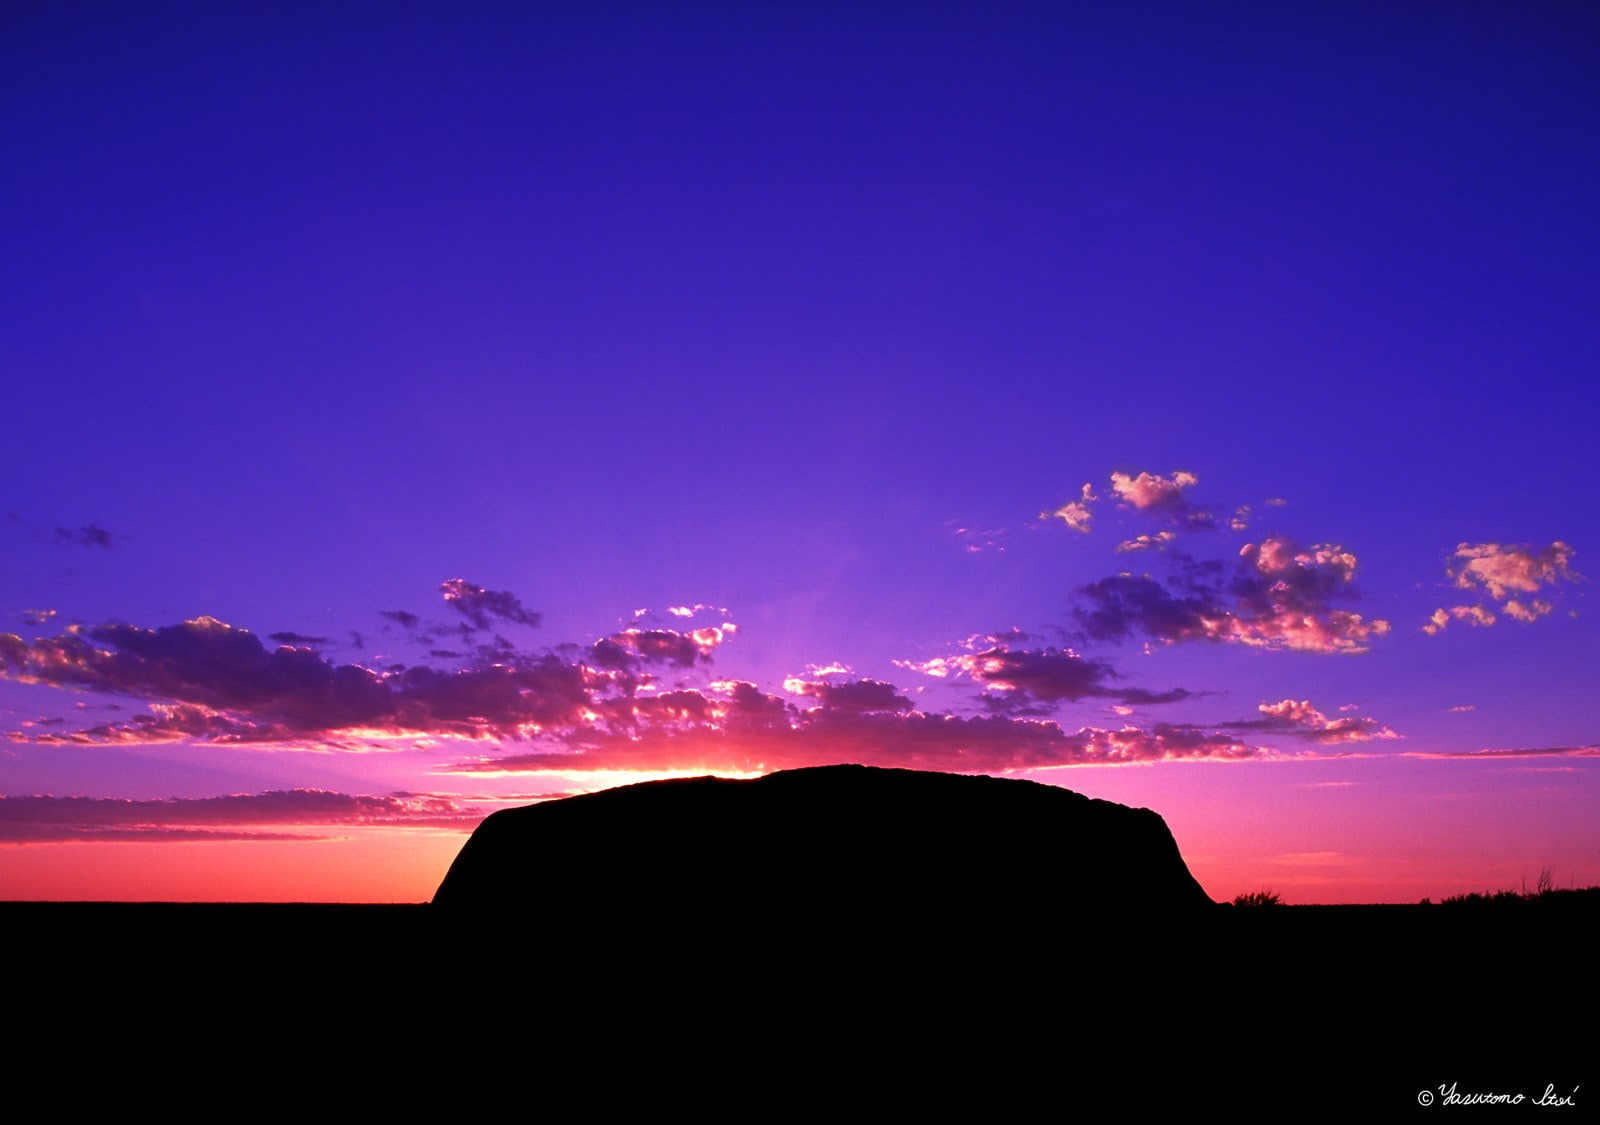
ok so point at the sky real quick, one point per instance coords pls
(417, 410)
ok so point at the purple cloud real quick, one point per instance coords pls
(1275, 595)
(39, 819)
(478, 605)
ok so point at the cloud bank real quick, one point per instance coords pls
(238, 817)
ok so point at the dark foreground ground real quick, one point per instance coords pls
(1265, 1011)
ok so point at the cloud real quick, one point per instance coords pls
(37, 616)
(478, 605)
(1015, 678)
(1159, 495)
(1076, 514)
(1275, 595)
(165, 723)
(39, 819)
(1495, 754)
(691, 610)
(851, 695)
(1125, 604)
(90, 535)
(1474, 615)
(583, 708)
(630, 647)
(399, 617)
(832, 668)
(1502, 570)
(1147, 542)
(977, 540)
(1151, 490)
(983, 744)
(1532, 611)
(1300, 719)
(297, 639)
(239, 691)
(1502, 573)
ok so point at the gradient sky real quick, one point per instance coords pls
(414, 412)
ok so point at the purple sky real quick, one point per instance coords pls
(1200, 399)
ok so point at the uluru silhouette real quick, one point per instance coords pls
(823, 848)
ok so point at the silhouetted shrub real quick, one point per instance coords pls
(1258, 898)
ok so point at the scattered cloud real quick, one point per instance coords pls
(851, 695)
(1474, 615)
(1532, 610)
(1299, 719)
(581, 708)
(909, 739)
(614, 704)
(1025, 679)
(1147, 542)
(1159, 495)
(691, 610)
(90, 535)
(629, 647)
(1504, 574)
(478, 605)
(832, 668)
(1502, 570)
(1076, 514)
(237, 690)
(1275, 595)
(37, 616)
(1151, 490)
(975, 541)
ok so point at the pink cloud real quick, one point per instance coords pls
(1162, 496)
(1300, 718)
(1475, 615)
(1076, 514)
(1532, 610)
(1277, 595)
(1502, 570)
(1151, 490)
(984, 744)
(1501, 573)
(1147, 542)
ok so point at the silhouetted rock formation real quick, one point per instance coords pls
(823, 850)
